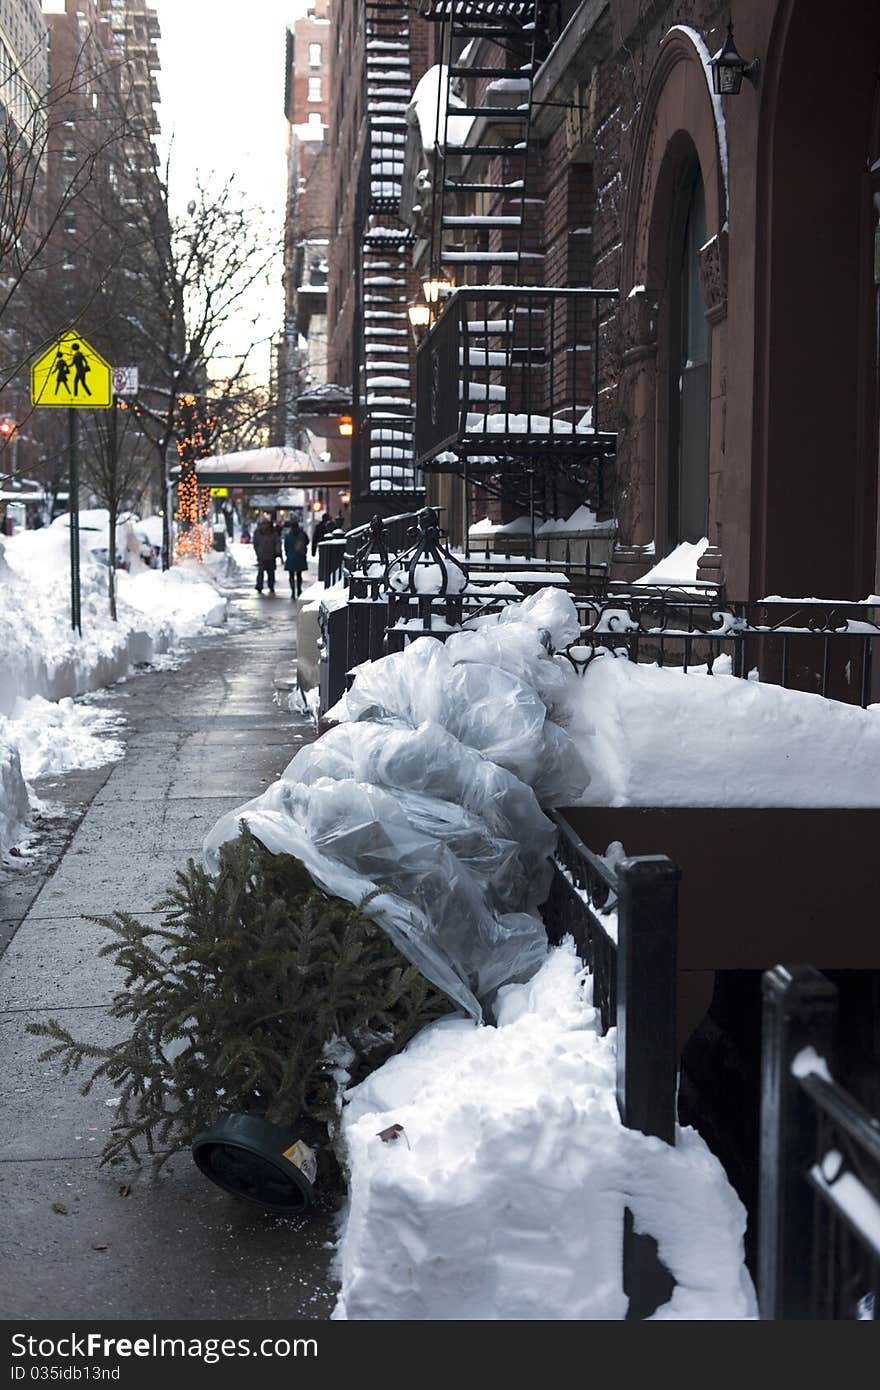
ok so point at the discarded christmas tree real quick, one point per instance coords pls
(253, 993)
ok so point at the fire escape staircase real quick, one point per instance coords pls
(386, 385)
(523, 419)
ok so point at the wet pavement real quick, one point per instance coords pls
(78, 1241)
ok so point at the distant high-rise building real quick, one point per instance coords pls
(24, 75)
(302, 358)
(134, 27)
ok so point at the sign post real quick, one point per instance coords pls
(73, 486)
(71, 375)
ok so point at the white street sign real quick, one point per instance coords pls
(125, 381)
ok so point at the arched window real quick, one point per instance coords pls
(690, 369)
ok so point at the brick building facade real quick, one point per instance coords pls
(379, 53)
(632, 158)
(302, 357)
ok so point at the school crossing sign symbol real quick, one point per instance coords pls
(70, 375)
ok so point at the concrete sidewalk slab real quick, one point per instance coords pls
(53, 963)
(175, 1247)
(44, 1115)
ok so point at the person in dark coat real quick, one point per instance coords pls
(296, 558)
(323, 528)
(267, 548)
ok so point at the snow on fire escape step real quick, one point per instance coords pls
(489, 257)
(475, 220)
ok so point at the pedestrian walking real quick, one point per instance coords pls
(267, 548)
(296, 559)
(323, 528)
(226, 509)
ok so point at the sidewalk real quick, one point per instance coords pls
(82, 1242)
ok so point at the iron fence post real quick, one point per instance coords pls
(333, 651)
(647, 1059)
(646, 994)
(800, 1011)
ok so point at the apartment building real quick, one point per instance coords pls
(379, 53)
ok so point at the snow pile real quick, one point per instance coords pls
(679, 566)
(45, 663)
(430, 790)
(583, 519)
(652, 736)
(503, 1197)
(13, 797)
(428, 108)
(42, 654)
(52, 737)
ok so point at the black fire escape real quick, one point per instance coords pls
(385, 470)
(509, 380)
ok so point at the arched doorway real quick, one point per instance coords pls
(674, 309)
(690, 359)
(814, 496)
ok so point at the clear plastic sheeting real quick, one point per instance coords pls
(464, 689)
(354, 838)
(428, 793)
(439, 780)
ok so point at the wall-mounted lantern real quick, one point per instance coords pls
(419, 320)
(729, 68)
(436, 288)
(346, 426)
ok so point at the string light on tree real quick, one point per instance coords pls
(195, 434)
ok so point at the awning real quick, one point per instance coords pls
(273, 468)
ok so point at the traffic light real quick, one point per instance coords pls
(7, 428)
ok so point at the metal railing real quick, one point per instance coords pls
(514, 373)
(623, 916)
(814, 645)
(819, 1211)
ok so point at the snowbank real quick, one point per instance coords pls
(503, 1198)
(13, 797)
(45, 663)
(42, 654)
(652, 736)
(52, 737)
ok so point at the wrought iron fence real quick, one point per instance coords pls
(623, 915)
(819, 1215)
(812, 644)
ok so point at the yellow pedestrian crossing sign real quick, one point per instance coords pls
(71, 375)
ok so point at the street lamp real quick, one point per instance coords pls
(729, 68)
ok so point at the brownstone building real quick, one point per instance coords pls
(737, 370)
(660, 305)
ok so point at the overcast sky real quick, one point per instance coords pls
(222, 88)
